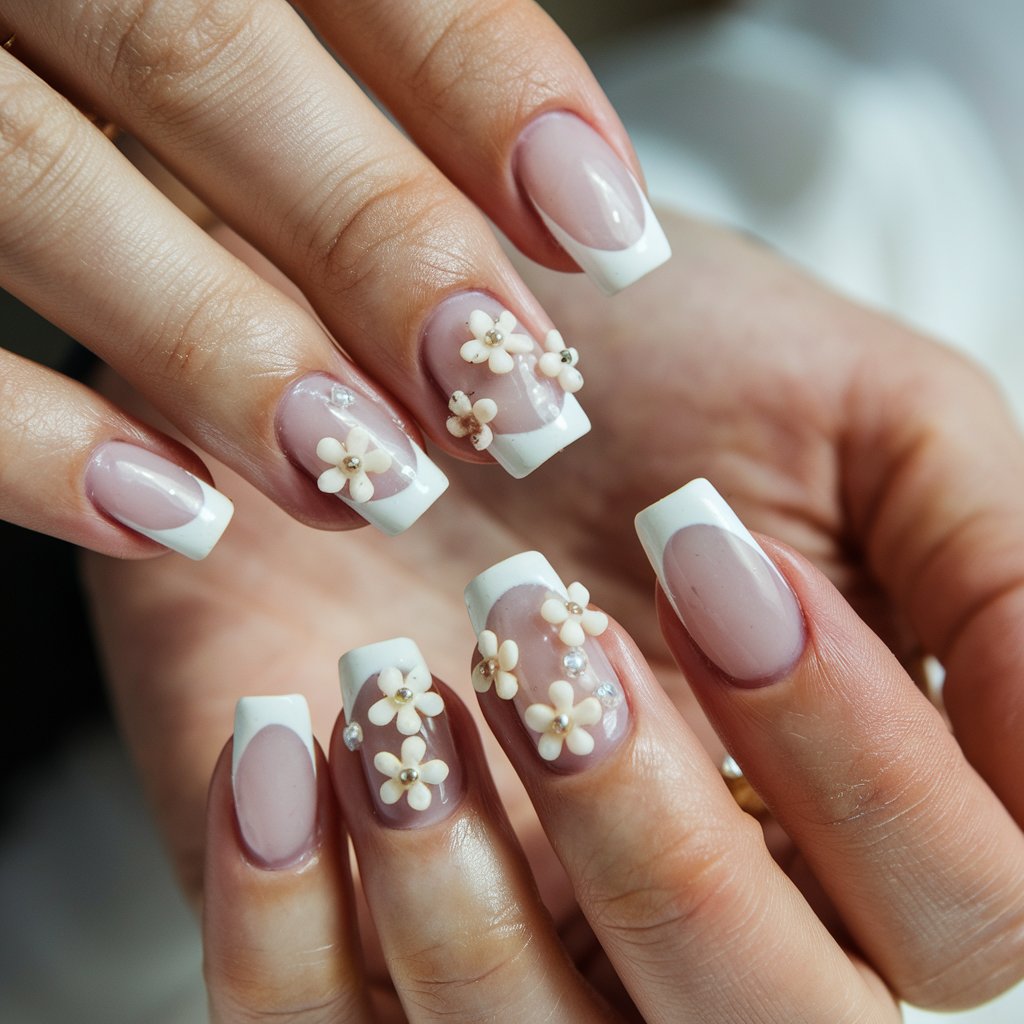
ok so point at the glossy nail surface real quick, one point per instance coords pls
(395, 720)
(589, 201)
(352, 446)
(476, 352)
(537, 649)
(153, 496)
(273, 775)
(734, 603)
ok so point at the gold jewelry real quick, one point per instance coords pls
(742, 791)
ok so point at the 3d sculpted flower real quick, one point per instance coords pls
(497, 666)
(561, 721)
(405, 697)
(408, 775)
(352, 460)
(471, 419)
(559, 363)
(573, 616)
(493, 341)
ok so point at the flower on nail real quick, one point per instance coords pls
(562, 722)
(573, 616)
(471, 419)
(409, 775)
(493, 341)
(352, 462)
(560, 363)
(496, 666)
(405, 697)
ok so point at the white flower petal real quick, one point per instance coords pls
(500, 361)
(506, 322)
(579, 741)
(474, 352)
(330, 481)
(594, 622)
(429, 704)
(487, 643)
(506, 686)
(460, 404)
(360, 488)
(419, 679)
(485, 409)
(553, 610)
(382, 712)
(480, 323)
(519, 343)
(539, 716)
(391, 791)
(387, 763)
(419, 796)
(508, 655)
(549, 746)
(570, 379)
(389, 680)
(579, 594)
(408, 723)
(482, 439)
(553, 341)
(571, 634)
(587, 712)
(561, 695)
(434, 772)
(413, 750)
(358, 440)
(330, 449)
(377, 461)
(481, 683)
(456, 426)
(550, 365)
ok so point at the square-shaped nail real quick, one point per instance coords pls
(537, 650)
(396, 721)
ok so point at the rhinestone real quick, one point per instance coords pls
(341, 397)
(488, 667)
(608, 695)
(352, 463)
(730, 769)
(403, 695)
(566, 356)
(560, 724)
(573, 608)
(575, 662)
(407, 776)
(494, 337)
(352, 736)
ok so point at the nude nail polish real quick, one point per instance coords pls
(537, 649)
(733, 601)
(352, 446)
(589, 201)
(273, 776)
(396, 721)
(152, 496)
(506, 394)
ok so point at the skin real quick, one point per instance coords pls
(887, 461)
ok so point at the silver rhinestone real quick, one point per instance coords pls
(352, 463)
(566, 356)
(493, 337)
(403, 695)
(352, 736)
(574, 609)
(407, 776)
(560, 724)
(341, 397)
(608, 695)
(730, 769)
(575, 662)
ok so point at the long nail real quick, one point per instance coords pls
(349, 442)
(733, 601)
(396, 720)
(506, 394)
(535, 639)
(589, 201)
(273, 774)
(151, 495)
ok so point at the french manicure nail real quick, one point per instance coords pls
(349, 442)
(154, 497)
(506, 394)
(397, 722)
(273, 775)
(733, 601)
(536, 646)
(589, 201)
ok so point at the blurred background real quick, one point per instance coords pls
(878, 144)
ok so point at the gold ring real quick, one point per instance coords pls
(742, 791)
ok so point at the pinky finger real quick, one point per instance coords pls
(279, 935)
(74, 466)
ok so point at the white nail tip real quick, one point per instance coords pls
(397, 512)
(253, 714)
(614, 269)
(696, 503)
(483, 591)
(357, 666)
(196, 539)
(520, 454)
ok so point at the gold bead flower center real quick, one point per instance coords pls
(493, 337)
(403, 695)
(560, 724)
(352, 463)
(573, 608)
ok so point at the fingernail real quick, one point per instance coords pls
(506, 394)
(589, 201)
(349, 442)
(397, 722)
(154, 497)
(535, 640)
(273, 775)
(734, 603)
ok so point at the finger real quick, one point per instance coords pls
(675, 880)
(539, 148)
(921, 859)
(463, 931)
(76, 467)
(279, 930)
(394, 259)
(936, 493)
(240, 369)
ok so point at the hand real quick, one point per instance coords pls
(250, 111)
(887, 460)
